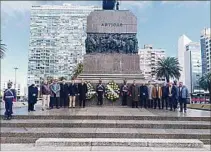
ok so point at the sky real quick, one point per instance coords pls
(160, 23)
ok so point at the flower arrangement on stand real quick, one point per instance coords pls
(112, 91)
(91, 91)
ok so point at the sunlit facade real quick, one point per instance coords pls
(57, 40)
(149, 57)
(193, 66)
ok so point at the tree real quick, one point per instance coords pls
(3, 50)
(205, 83)
(168, 68)
(78, 70)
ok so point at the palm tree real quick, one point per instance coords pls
(205, 82)
(3, 50)
(168, 68)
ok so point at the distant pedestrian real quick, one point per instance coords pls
(134, 91)
(63, 94)
(100, 89)
(143, 95)
(55, 94)
(124, 91)
(45, 94)
(32, 97)
(156, 95)
(9, 97)
(82, 91)
(183, 96)
(72, 92)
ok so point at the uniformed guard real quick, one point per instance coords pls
(100, 89)
(124, 93)
(9, 96)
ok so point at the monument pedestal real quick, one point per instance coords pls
(111, 47)
(111, 66)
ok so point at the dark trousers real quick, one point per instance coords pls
(156, 103)
(150, 103)
(124, 100)
(63, 102)
(54, 101)
(143, 102)
(183, 104)
(82, 103)
(8, 107)
(134, 104)
(100, 98)
(31, 106)
(164, 102)
(172, 103)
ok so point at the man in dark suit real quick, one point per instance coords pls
(32, 97)
(124, 93)
(82, 91)
(63, 94)
(172, 93)
(100, 89)
(164, 96)
(143, 95)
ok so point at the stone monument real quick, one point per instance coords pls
(111, 43)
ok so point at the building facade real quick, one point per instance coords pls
(182, 42)
(149, 57)
(57, 40)
(193, 68)
(206, 50)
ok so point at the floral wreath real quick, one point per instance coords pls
(91, 91)
(112, 91)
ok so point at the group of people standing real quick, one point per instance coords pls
(57, 95)
(64, 95)
(60, 95)
(153, 96)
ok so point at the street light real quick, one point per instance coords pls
(15, 80)
(15, 76)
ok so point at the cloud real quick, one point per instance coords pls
(12, 7)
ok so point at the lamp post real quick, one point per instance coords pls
(15, 76)
(15, 80)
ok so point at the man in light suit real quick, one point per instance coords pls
(183, 95)
(150, 100)
(55, 94)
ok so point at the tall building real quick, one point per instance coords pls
(193, 69)
(206, 50)
(149, 57)
(182, 42)
(57, 40)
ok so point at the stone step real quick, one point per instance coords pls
(32, 123)
(106, 133)
(179, 143)
(73, 116)
(32, 147)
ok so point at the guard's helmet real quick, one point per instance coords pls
(9, 84)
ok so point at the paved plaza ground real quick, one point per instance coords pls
(21, 109)
(108, 123)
